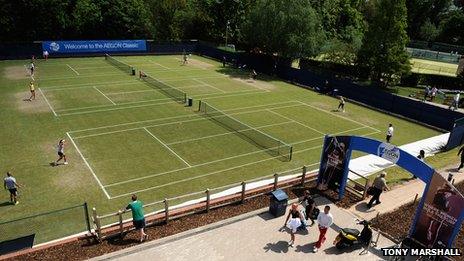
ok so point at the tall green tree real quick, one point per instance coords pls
(421, 11)
(289, 28)
(452, 28)
(383, 50)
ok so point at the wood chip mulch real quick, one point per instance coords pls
(81, 250)
(398, 223)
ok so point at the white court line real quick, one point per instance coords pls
(46, 100)
(72, 69)
(167, 68)
(217, 172)
(167, 147)
(88, 166)
(80, 76)
(154, 90)
(209, 85)
(228, 133)
(115, 109)
(104, 95)
(219, 160)
(175, 122)
(176, 117)
(297, 122)
(173, 102)
(210, 174)
(119, 104)
(89, 85)
(334, 114)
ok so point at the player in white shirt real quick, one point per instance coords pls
(390, 132)
(10, 184)
(45, 54)
(61, 155)
(324, 220)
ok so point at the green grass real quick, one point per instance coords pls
(135, 139)
(433, 67)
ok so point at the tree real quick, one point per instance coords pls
(452, 28)
(289, 28)
(344, 27)
(383, 49)
(421, 11)
(429, 31)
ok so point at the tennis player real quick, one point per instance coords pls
(31, 68)
(61, 155)
(32, 90)
(341, 104)
(10, 183)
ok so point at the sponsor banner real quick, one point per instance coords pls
(334, 163)
(94, 46)
(440, 214)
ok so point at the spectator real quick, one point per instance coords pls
(138, 218)
(293, 223)
(455, 102)
(421, 157)
(461, 152)
(308, 203)
(10, 183)
(45, 55)
(324, 220)
(426, 92)
(433, 93)
(380, 184)
(390, 132)
(253, 74)
(224, 60)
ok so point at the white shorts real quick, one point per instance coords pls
(294, 224)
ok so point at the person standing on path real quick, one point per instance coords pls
(380, 184)
(324, 220)
(138, 217)
(10, 184)
(293, 223)
(308, 203)
(461, 152)
(390, 131)
(455, 103)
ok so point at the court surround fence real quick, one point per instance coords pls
(162, 211)
(66, 222)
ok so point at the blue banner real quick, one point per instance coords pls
(94, 46)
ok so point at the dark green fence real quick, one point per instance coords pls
(49, 225)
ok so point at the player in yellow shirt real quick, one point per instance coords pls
(32, 89)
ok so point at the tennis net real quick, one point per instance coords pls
(120, 65)
(271, 145)
(169, 90)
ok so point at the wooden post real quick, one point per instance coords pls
(207, 200)
(415, 199)
(366, 187)
(276, 180)
(96, 221)
(303, 176)
(243, 191)
(121, 226)
(166, 210)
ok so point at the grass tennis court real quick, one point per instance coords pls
(433, 67)
(124, 136)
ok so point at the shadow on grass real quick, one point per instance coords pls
(5, 204)
(244, 74)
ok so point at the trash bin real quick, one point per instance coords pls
(133, 71)
(278, 203)
(190, 102)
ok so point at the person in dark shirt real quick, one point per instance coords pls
(461, 152)
(294, 222)
(308, 203)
